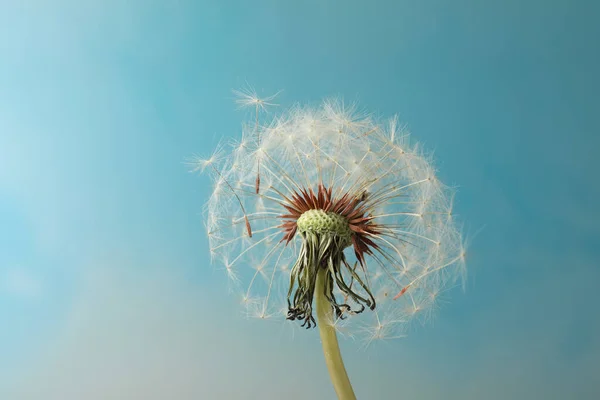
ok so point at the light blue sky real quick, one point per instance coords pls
(105, 286)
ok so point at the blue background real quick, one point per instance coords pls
(106, 291)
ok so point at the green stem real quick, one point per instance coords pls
(331, 349)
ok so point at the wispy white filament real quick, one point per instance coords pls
(421, 250)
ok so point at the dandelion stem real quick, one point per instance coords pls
(331, 349)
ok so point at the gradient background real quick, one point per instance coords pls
(105, 286)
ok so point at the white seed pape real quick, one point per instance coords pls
(422, 250)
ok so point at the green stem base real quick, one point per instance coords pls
(331, 349)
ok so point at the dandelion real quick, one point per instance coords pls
(336, 218)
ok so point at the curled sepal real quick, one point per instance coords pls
(323, 251)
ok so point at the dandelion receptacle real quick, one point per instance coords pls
(329, 217)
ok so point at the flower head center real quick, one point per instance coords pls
(325, 223)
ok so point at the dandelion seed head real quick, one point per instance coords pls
(332, 187)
